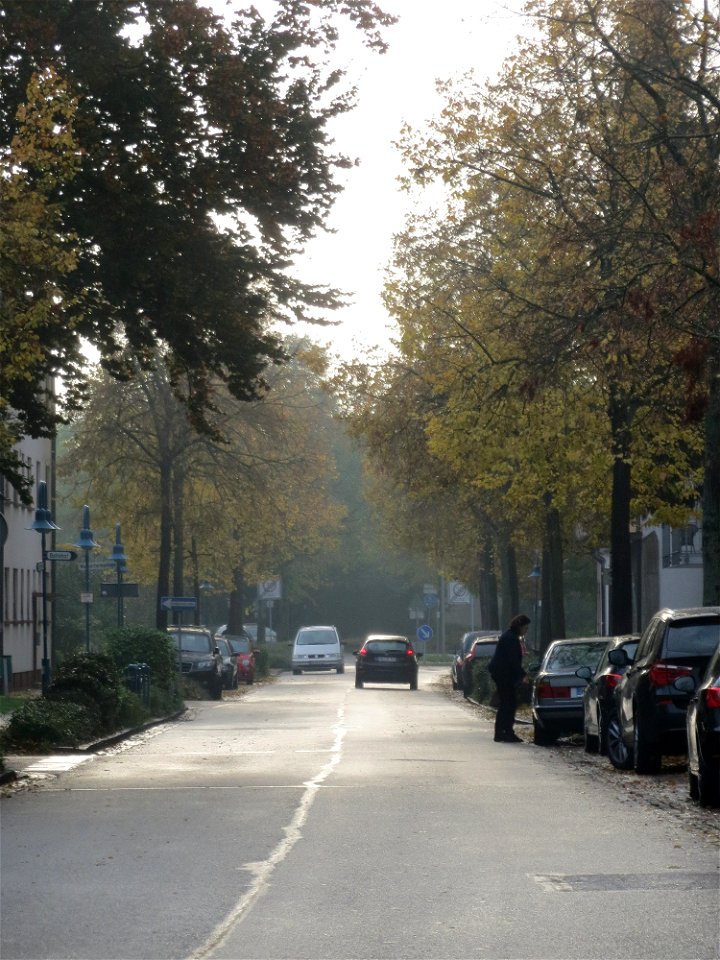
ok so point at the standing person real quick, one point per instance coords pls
(507, 671)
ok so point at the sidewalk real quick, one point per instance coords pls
(19, 766)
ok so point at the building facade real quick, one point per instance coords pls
(21, 597)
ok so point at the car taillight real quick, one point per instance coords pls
(612, 680)
(712, 698)
(665, 674)
(411, 653)
(363, 652)
(544, 690)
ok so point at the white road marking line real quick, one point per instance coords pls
(56, 764)
(262, 871)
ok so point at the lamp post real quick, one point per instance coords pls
(87, 543)
(43, 524)
(119, 559)
(535, 574)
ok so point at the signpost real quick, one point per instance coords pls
(60, 555)
(178, 603)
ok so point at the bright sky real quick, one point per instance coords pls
(431, 41)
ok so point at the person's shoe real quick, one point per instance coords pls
(513, 738)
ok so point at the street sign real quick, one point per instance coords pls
(178, 603)
(430, 599)
(86, 598)
(60, 555)
(425, 632)
(458, 592)
(270, 589)
(127, 590)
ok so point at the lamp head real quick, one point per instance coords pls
(43, 522)
(86, 541)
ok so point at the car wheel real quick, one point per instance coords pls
(341, 669)
(693, 786)
(358, 683)
(646, 754)
(708, 783)
(413, 684)
(296, 672)
(455, 684)
(541, 735)
(619, 755)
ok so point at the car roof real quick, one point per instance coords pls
(175, 628)
(321, 626)
(386, 636)
(572, 640)
(681, 613)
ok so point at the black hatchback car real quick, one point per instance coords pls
(385, 658)
(651, 710)
(198, 658)
(703, 733)
(598, 698)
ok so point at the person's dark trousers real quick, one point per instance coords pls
(505, 716)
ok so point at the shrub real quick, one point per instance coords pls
(274, 656)
(42, 724)
(93, 681)
(145, 645)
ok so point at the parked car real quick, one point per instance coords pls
(466, 641)
(651, 710)
(557, 690)
(386, 658)
(703, 733)
(317, 648)
(230, 670)
(482, 648)
(252, 629)
(598, 698)
(199, 658)
(242, 647)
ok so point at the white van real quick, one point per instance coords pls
(317, 648)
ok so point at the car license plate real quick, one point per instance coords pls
(386, 659)
(576, 691)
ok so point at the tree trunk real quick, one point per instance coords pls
(510, 593)
(711, 486)
(237, 595)
(163, 589)
(178, 529)
(488, 593)
(621, 615)
(552, 625)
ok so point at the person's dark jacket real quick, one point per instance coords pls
(506, 663)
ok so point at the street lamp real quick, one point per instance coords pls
(535, 574)
(43, 524)
(87, 543)
(119, 559)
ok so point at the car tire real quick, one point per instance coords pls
(455, 684)
(618, 754)
(542, 737)
(647, 757)
(296, 672)
(591, 742)
(414, 684)
(693, 786)
(341, 669)
(358, 683)
(708, 783)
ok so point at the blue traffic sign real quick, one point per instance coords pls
(178, 603)
(424, 632)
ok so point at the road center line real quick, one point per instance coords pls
(263, 870)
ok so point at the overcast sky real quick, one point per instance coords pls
(432, 40)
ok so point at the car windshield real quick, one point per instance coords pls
(238, 644)
(693, 637)
(483, 650)
(308, 638)
(570, 657)
(387, 646)
(192, 642)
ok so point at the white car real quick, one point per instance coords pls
(317, 648)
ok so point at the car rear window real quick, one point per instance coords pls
(239, 645)
(692, 638)
(483, 650)
(387, 646)
(312, 637)
(573, 656)
(192, 642)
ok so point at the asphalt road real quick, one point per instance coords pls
(307, 819)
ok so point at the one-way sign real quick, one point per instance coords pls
(178, 603)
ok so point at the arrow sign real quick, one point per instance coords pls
(178, 603)
(60, 555)
(425, 632)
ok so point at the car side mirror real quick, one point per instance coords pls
(216, 650)
(585, 673)
(419, 656)
(618, 658)
(355, 652)
(685, 684)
